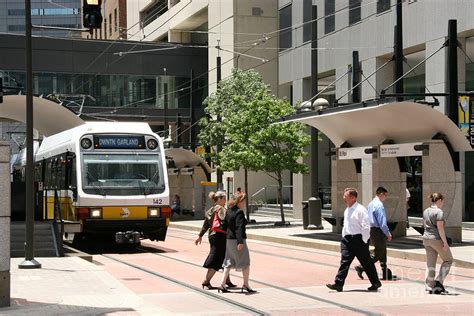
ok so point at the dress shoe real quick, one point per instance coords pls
(359, 271)
(438, 289)
(335, 287)
(375, 286)
(222, 289)
(230, 284)
(440, 286)
(247, 289)
(207, 286)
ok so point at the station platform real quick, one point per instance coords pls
(409, 247)
(86, 288)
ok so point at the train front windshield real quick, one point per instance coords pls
(122, 174)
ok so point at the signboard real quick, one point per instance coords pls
(466, 117)
(119, 142)
(353, 153)
(471, 123)
(399, 150)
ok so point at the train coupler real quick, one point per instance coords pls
(128, 237)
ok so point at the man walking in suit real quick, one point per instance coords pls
(379, 232)
(355, 235)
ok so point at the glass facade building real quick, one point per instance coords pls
(89, 78)
(60, 13)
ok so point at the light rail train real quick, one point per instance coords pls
(102, 179)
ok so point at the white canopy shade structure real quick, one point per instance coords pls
(402, 122)
(48, 117)
(184, 158)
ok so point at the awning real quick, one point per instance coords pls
(184, 158)
(402, 122)
(48, 117)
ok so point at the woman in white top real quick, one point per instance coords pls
(435, 242)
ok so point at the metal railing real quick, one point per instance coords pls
(269, 195)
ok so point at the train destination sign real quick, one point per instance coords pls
(119, 142)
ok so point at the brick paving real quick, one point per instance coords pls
(290, 280)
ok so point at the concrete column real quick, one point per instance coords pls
(386, 173)
(5, 224)
(367, 183)
(439, 176)
(344, 175)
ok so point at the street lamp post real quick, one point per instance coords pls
(29, 262)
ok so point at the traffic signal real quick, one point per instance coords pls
(91, 12)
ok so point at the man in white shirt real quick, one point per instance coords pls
(355, 235)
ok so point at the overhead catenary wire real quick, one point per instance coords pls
(286, 51)
(408, 72)
(265, 35)
(236, 53)
(367, 78)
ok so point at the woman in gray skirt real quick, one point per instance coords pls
(237, 253)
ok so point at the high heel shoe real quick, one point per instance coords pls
(247, 289)
(207, 286)
(230, 284)
(222, 289)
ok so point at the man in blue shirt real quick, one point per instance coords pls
(379, 231)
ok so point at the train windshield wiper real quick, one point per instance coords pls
(94, 186)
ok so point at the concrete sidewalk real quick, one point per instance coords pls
(410, 247)
(71, 285)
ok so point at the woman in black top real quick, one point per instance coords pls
(237, 253)
(217, 238)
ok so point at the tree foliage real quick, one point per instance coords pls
(247, 132)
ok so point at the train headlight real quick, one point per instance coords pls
(96, 213)
(153, 212)
(152, 144)
(86, 143)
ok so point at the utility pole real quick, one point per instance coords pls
(452, 83)
(355, 77)
(191, 112)
(314, 202)
(220, 185)
(29, 262)
(398, 53)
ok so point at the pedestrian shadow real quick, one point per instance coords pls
(24, 306)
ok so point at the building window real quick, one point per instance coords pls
(16, 28)
(354, 11)
(153, 12)
(383, 5)
(330, 18)
(115, 20)
(110, 24)
(285, 28)
(307, 16)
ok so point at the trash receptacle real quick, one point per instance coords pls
(314, 213)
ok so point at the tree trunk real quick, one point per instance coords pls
(280, 197)
(246, 184)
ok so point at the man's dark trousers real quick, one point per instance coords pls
(379, 240)
(353, 246)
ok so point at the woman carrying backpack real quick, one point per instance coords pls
(217, 238)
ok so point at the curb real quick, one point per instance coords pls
(328, 245)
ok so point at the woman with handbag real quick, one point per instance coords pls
(217, 238)
(436, 243)
(237, 253)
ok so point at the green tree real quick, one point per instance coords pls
(264, 146)
(249, 138)
(232, 95)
